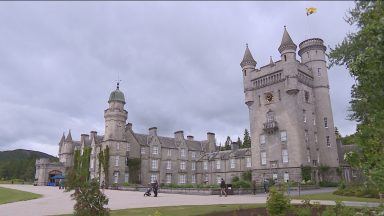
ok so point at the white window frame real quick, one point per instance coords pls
(182, 165)
(142, 150)
(92, 163)
(117, 158)
(193, 179)
(263, 156)
(262, 139)
(153, 178)
(205, 165)
(193, 166)
(218, 164)
(168, 178)
(233, 163)
(169, 152)
(274, 176)
(128, 146)
(284, 154)
(305, 116)
(193, 154)
(283, 136)
(206, 178)
(182, 152)
(218, 179)
(116, 177)
(155, 150)
(308, 156)
(154, 164)
(319, 72)
(169, 164)
(315, 137)
(248, 162)
(126, 177)
(182, 178)
(117, 146)
(286, 176)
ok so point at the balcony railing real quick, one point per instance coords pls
(270, 126)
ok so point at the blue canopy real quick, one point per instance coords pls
(58, 177)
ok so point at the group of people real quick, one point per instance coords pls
(224, 187)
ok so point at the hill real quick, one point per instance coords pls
(20, 163)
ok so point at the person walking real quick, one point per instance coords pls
(223, 187)
(254, 187)
(155, 188)
(265, 184)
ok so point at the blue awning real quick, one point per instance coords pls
(58, 177)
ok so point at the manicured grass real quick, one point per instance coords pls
(330, 196)
(183, 210)
(11, 195)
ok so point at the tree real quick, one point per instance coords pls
(363, 54)
(247, 140)
(89, 199)
(228, 142)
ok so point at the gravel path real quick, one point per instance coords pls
(55, 201)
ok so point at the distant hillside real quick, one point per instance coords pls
(20, 163)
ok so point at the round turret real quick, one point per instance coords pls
(311, 44)
(117, 95)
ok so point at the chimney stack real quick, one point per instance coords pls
(234, 146)
(128, 126)
(153, 131)
(179, 135)
(190, 138)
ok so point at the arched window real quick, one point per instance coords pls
(270, 116)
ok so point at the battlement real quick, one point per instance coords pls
(41, 161)
(313, 43)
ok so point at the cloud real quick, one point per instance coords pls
(179, 62)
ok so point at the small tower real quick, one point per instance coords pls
(115, 116)
(312, 53)
(248, 65)
(67, 149)
(287, 48)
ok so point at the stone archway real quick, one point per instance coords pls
(51, 181)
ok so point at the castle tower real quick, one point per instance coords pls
(66, 150)
(312, 53)
(115, 116)
(283, 98)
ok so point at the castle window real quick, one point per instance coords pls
(126, 161)
(245, 72)
(274, 176)
(169, 152)
(116, 160)
(305, 115)
(182, 165)
(284, 154)
(115, 177)
(182, 152)
(154, 164)
(126, 177)
(118, 146)
(314, 118)
(262, 139)
(315, 137)
(283, 136)
(206, 178)
(169, 164)
(193, 154)
(286, 177)
(259, 101)
(270, 116)
(142, 150)
(328, 141)
(155, 150)
(306, 136)
(128, 146)
(263, 158)
(91, 163)
(168, 178)
(314, 163)
(193, 180)
(279, 95)
(248, 162)
(285, 57)
(153, 178)
(325, 122)
(218, 163)
(218, 179)
(232, 161)
(308, 156)
(319, 72)
(182, 179)
(193, 166)
(306, 96)
(205, 165)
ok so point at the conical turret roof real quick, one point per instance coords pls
(286, 42)
(248, 58)
(62, 139)
(69, 137)
(271, 61)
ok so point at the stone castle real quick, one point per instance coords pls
(291, 125)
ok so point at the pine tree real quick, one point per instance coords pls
(247, 140)
(239, 142)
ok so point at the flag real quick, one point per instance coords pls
(311, 10)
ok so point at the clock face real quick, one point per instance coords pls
(269, 97)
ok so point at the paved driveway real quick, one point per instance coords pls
(55, 201)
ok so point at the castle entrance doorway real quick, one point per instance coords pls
(51, 180)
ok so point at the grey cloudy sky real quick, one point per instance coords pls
(179, 62)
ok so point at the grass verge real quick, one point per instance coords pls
(330, 196)
(8, 195)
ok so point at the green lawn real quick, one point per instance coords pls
(183, 210)
(330, 196)
(11, 195)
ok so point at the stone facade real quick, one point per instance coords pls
(291, 125)
(291, 121)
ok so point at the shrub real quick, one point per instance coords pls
(247, 176)
(277, 203)
(306, 173)
(241, 184)
(328, 184)
(235, 179)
